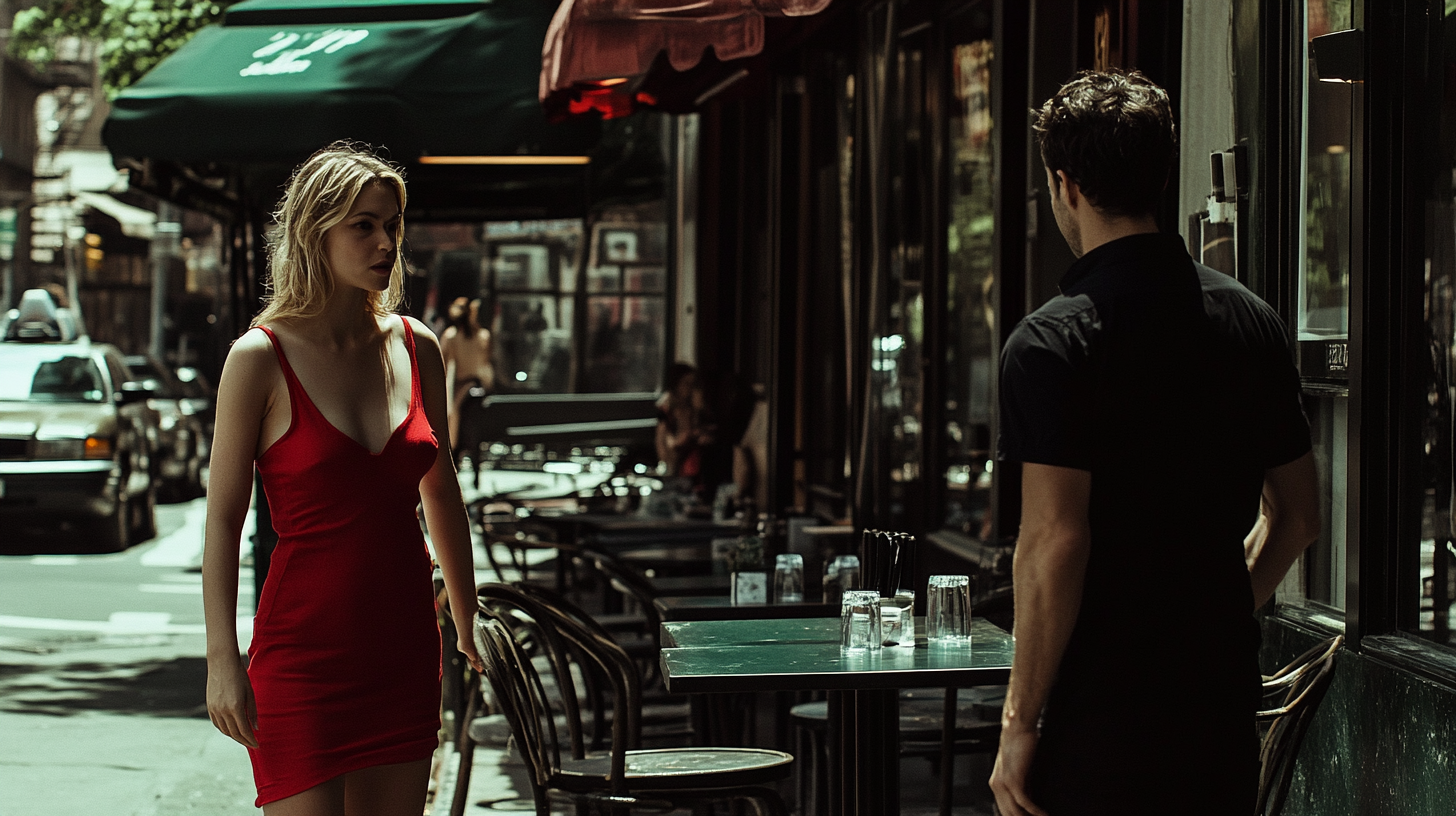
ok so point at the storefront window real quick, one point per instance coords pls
(1429, 606)
(525, 276)
(896, 379)
(970, 358)
(1322, 306)
(626, 282)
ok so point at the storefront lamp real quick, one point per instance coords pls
(1339, 57)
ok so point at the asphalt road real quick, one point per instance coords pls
(102, 672)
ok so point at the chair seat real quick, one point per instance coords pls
(666, 769)
(495, 729)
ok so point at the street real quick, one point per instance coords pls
(102, 682)
(103, 672)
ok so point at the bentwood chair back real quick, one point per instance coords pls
(627, 777)
(1291, 696)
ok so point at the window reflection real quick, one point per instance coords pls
(1428, 607)
(1322, 307)
(970, 280)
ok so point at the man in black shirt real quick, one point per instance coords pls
(1152, 404)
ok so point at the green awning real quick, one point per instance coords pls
(304, 73)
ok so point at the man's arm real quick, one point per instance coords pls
(1048, 573)
(1289, 523)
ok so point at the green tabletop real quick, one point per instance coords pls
(803, 654)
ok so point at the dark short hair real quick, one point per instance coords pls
(1112, 132)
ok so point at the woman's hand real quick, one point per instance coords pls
(230, 703)
(465, 643)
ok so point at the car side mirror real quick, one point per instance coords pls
(132, 392)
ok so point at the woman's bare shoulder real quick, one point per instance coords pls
(252, 355)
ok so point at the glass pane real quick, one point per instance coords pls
(970, 352)
(624, 344)
(643, 279)
(604, 278)
(1322, 308)
(895, 377)
(533, 342)
(1324, 286)
(1429, 607)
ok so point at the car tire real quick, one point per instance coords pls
(113, 532)
(144, 518)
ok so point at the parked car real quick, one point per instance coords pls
(76, 443)
(182, 440)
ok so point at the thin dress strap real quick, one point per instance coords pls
(409, 343)
(294, 385)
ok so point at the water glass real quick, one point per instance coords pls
(788, 584)
(905, 602)
(948, 610)
(892, 623)
(859, 621)
(840, 574)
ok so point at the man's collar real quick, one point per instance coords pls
(1139, 248)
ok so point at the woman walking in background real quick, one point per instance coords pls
(468, 365)
(341, 404)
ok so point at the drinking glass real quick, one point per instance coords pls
(840, 573)
(905, 600)
(948, 610)
(788, 578)
(892, 622)
(859, 621)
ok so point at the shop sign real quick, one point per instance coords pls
(285, 51)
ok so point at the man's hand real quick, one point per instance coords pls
(1008, 778)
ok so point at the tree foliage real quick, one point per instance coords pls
(131, 36)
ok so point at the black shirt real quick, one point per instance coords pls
(1174, 387)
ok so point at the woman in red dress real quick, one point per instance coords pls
(341, 406)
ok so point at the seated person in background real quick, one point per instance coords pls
(679, 425)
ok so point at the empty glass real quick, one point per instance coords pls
(948, 610)
(788, 584)
(892, 623)
(840, 574)
(859, 621)
(905, 602)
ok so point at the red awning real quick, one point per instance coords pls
(595, 47)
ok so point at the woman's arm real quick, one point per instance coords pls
(444, 506)
(243, 399)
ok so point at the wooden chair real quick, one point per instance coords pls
(1291, 696)
(626, 776)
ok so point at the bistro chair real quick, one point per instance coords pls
(626, 776)
(1291, 696)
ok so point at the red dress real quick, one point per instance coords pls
(345, 657)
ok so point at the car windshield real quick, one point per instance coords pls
(66, 378)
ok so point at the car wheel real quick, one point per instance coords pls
(113, 532)
(144, 522)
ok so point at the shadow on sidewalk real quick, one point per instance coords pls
(175, 687)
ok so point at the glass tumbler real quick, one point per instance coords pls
(859, 621)
(788, 586)
(948, 610)
(905, 600)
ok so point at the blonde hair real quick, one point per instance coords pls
(319, 197)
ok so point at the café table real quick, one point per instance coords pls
(718, 607)
(792, 654)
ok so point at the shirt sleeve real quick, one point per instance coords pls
(1046, 404)
(1286, 435)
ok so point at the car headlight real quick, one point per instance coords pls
(92, 447)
